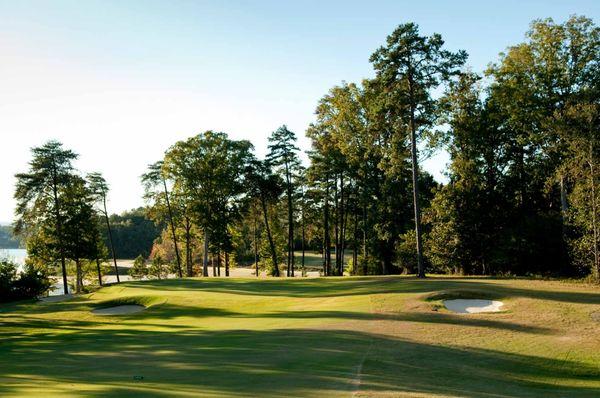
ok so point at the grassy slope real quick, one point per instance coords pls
(308, 337)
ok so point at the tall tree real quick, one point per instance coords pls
(38, 196)
(208, 170)
(409, 67)
(153, 177)
(580, 126)
(533, 82)
(267, 187)
(284, 155)
(81, 230)
(99, 188)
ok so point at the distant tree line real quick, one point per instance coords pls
(59, 213)
(133, 233)
(7, 238)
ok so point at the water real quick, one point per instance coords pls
(19, 256)
(16, 255)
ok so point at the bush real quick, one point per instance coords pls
(28, 284)
(8, 274)
(139, 270)
(157, 268)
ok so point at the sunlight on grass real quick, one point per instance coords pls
(373, 336)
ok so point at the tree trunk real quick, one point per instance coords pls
(364, 237)
(564, 209)
(79, 277)
(226, 264)
(255, 246)
(99, 271)
(355, 236)
(110, 239)
(336, 227)
(271, 244)
(172, 222)
(212, 264)
(303, 240)
(596, 249)
(219, 263)
(205, 254)
(327, 238)
(63, 262)
(415, 183)
(290, 270)
(343, 225)
(188, 248)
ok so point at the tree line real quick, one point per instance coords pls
(59, 213)
(521, 195)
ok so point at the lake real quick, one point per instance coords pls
(17, 255)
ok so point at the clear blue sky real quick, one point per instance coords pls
(129, 78)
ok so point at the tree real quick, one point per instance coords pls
(533, 83)
(39, 205)
(580, 124)
(408, 68)
(80, 230)
(99, 189)
(265, 186)
(284, 156)
(139, 269)
(208, 171)
(468, 214)
(157, 268)
(155, 176)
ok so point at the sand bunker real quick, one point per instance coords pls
(473, 306)
(119, 310)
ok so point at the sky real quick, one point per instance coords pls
(119, 82)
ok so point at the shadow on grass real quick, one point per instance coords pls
(345, 286)
(91, 359)
(155, 316)
(409, 317)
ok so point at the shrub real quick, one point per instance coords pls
(31, 283)
(8, 274)
(157, 268)
(28, 284)
(139, 269)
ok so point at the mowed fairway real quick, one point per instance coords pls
(320, 337)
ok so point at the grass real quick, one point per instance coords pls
(370, 336)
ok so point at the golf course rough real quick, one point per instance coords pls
(119, 310)
(334, 337)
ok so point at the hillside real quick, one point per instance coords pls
(7, 240)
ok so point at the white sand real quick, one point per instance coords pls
(473, 306)
(119, 310)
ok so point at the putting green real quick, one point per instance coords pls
(371, 336)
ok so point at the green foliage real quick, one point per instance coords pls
(39, 194)
(30, 283)
(158, 268)
(133, 233)
(139, 269)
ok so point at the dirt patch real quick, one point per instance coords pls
(119, 310)
(595, 316)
